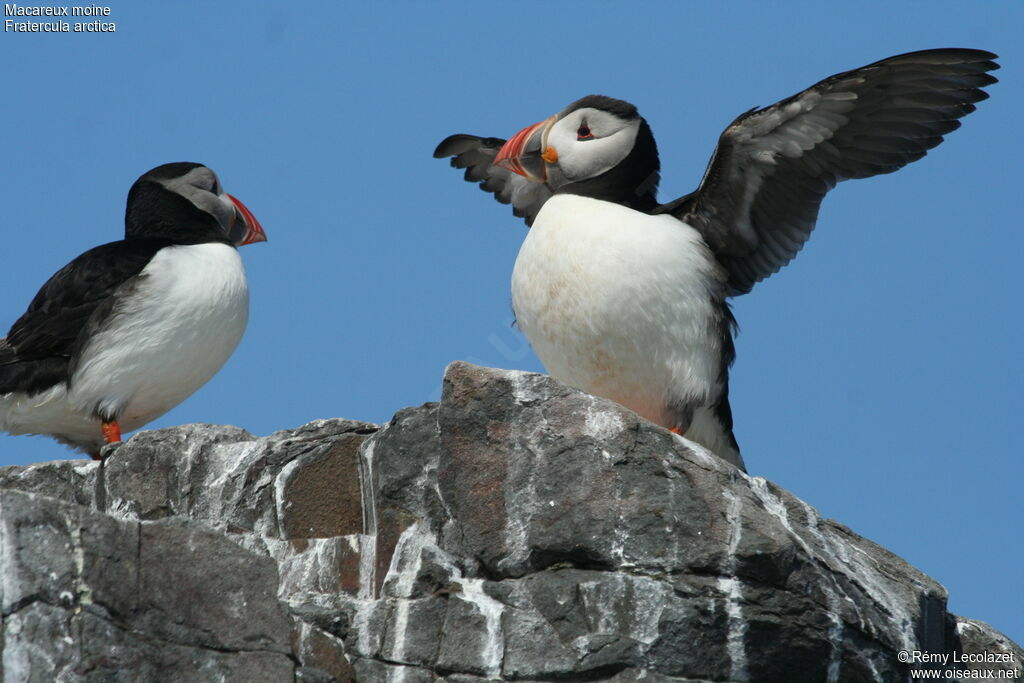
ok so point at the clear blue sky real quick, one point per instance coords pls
(879, 375)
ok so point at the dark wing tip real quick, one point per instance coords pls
(451, 145)
(965, 54)
(975, 55)
(460, 143)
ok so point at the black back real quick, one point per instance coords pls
(41, 348)
(41, 345)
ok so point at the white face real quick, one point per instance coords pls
(201, 187)
(590, 141)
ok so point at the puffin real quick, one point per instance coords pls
(626, 297)
(130, 329)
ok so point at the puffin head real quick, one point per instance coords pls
(597, 146)
(184, 202)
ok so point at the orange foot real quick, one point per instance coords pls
(111, 432)
(676, 430)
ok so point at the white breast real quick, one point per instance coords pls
(169, 337)
(170, 333)
(617, 303)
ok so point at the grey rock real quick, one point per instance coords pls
(89, 597)
(232, 481)
(984, 648)
(516, 530)
(373, 670)
(75, 481)
(415, 631)
(320, 654)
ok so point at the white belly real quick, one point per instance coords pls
(617, 303)
(166, 339)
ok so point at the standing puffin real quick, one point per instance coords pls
(624, 297)
(130, 329)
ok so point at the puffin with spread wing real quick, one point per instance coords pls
(625, 297)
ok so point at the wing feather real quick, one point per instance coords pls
(42, 343)
(758, 201)
(476, 155)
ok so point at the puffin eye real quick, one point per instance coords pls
(583, 133)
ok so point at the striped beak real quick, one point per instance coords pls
(526, 153)
(248, 229)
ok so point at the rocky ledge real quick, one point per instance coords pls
(517, 530)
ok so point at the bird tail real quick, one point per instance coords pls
(712, 428)
(28, 375)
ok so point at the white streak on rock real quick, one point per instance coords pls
(83, 592)
(602, 424)
(493, 650)
(874, 671)
(835, 636)
(732, 516)
(367, 488)
(732, 590)
(230, 462)
(17, 655)
(706, 458)
(281, 503)
(523, 390)
(619, 536)
(368, 544)
(361, 624)
(672, 549)
(353, 542)
(520, 499)
(407, 560)
(862, 570)
(367, 567)
(10, 581)
(314, 569)
(730, 587)
(119, 508)
(85, 468)
(774, 505)
(397, 674)
(399, 626)
(649, 600)
(401, 578)
(777, 509)
(621, 604)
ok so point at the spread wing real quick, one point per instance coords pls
(759, 198)
(476, 155)
(41, 344)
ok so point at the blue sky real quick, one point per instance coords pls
(879, 375)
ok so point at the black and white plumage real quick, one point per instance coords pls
(129, 329)
(625, 297)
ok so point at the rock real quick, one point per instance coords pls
(86, 596)
(75, 481)
(986, 649)
(517, 530)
